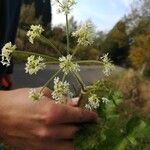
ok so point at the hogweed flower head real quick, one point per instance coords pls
(34, 32)
(93, 102)
(65, 6)
(105, 100)
(67, 65)
(34, 64)
(61, 89)
(85, 34)
(107, 64)
(7, 50)
(35, 95)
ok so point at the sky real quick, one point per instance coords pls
(103, 13)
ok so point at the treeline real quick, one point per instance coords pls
(128, 42)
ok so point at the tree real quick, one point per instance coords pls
(140, 52)
(117, 43)
(43, 10)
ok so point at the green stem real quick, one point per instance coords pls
(89, 62)
(50, 79)
(27, 54)
(64, 76)
(77, 76)
(67, 34)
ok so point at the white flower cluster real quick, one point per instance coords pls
(61, 89)
(34, 64)
(105, 100)
(85, 34)
(67, 65)
(7, 50)
(34, 32)
(107, 64)
(93, 102)
(35, 95)
(65, 6)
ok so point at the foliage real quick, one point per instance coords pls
(140, 52)
(119, 128)
(116, 43)
(85, 53)
(25, 19)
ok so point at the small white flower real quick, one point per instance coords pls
(93, 102)
(35, 95)
(34, 32)
(7, 50)
(85, 34)
(65, 6)
(105, 100)
(61, 89)
(34, 64)
(67, 65)
(107, 64)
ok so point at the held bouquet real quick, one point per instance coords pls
(101, 96)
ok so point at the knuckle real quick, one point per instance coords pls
(74, 131)
(52, 115)
(42, 133)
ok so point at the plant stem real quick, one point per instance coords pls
(50, 79)
(64, 76)
(77, 76)
(67, 34)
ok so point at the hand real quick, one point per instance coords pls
(42, 125)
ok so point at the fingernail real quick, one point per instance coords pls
(75, 101)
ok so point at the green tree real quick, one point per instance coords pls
(117, 43)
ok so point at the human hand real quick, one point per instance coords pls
(42, 125)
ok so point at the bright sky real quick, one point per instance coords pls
(103, 13)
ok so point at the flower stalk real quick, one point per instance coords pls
(67, 34)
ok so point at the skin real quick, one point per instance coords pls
(42, 125)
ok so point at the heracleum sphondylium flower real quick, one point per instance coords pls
(34, 64)
(105, 100)
(34, 32)
(85, 34)
(107, 64)
(35, 95)
(65, 6)
(7, 50)
(61, 89)
(67, 65)
(93, 102)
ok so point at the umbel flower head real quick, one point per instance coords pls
(107, 64)
(7, 50)
(65, 6)
(61, 89)
(35, 95)
(34, 32)
(85, 34)
(34, 64)
(93, 102)
(67, 65)
(105, 100)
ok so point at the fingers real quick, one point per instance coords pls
(54, 145)
(73, 102)
(61, 114)
(57, 132)
(46, 91)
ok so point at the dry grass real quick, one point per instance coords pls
(136, 90)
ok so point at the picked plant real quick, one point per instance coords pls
(101, 96)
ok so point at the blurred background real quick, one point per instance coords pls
(122, 29)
